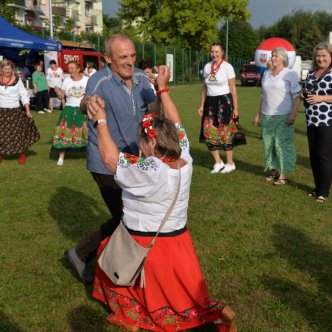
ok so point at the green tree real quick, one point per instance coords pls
(304, 29)
(7, 12)
(192, 23)
(242, 39)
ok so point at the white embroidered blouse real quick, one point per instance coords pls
(149, 188)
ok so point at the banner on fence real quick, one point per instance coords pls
(170, 64)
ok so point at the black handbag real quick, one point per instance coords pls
(239, 137)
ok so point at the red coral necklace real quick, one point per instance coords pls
(214, 70)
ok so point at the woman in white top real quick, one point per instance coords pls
(17, 129)
(175, 297)
(54, 76)
(279, 103)
(89, 69)
(71, 132)
(218, 108)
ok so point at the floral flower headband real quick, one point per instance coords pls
(147, 125)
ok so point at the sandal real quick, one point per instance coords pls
(272, 177)
(321, 199)
(312, 193)
(280, 182)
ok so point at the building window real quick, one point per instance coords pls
(88, 9)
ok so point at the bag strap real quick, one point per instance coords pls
(237, 124)
(169, 209)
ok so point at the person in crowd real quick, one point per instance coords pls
(126, 94)
(317, 96)
(23, 69)
(17, 129)
(147, 66)
(89, 69)
(277, 112)
(54, 75)
(40, 89)
(71, 132)
(218, 108)
(175, 296)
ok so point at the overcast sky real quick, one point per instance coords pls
(265, 12)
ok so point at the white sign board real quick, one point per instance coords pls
(48, 56)
(170, 65)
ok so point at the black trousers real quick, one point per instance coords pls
(112, 195)
(42, 100)
(320, 151)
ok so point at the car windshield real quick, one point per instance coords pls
(250, 68)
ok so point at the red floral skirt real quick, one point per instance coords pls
(175, 297)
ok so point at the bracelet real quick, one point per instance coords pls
(159, 92)
(97, 122)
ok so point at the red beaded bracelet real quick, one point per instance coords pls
(159, 92)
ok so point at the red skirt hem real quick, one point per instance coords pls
(175, 297)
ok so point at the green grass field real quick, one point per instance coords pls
(264, 250)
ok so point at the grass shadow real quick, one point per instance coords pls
(204, 159)
(86, 319)
(6, 325)
(75, 212)
(315, 262)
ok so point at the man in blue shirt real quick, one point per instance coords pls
(126, 95)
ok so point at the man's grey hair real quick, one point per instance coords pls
(110, 40)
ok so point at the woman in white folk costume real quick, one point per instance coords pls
(175, 296)
(218, 109)
(71, 132)
(17, 129)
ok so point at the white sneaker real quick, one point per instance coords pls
(60, 162)
(47, 110)
(217, 167)
(228, 168)
(41, 112)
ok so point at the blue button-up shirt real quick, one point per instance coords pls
(124, 108)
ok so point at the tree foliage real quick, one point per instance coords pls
(242, 39)
(304, 29)
(7, 12)
(193, 23)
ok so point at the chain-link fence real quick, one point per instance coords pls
(187, 64)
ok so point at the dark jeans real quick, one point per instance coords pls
(320, 151)
(42, 100)
(112, 195)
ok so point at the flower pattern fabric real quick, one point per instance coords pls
(71, 130)
(129, 311)
(17, 131)
(218, 127)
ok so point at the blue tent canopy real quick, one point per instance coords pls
(12, 37)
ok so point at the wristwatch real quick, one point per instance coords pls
(96, 123)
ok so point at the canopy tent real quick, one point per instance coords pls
(13, 41)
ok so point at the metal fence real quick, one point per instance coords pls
(188, 64)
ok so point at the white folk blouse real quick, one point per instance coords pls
(11, 95)
(149, 188)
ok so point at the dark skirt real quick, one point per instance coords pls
(17, 131)
(217, 127)
(71, 130)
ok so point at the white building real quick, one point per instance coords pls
(86, 14)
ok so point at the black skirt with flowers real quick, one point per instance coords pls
(218, 127)
(17, 131)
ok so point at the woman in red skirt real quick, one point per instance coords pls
(175, 296)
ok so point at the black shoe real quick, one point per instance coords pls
(79, 266)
